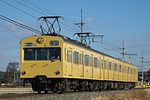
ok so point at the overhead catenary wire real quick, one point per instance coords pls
(42, 10)
(19, 24)
(31, 8)
(35, 5)
(10, 5)
(48, 11)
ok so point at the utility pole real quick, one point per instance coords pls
(142, 61)
(123, 51)
(80, 25)
(86, 37)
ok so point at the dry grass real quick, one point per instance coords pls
(131, 95)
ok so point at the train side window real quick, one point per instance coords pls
(124, 69)
(119, 68)
(75, 57)
(99, 63)
(128, 71)
(95, 62)
(69, 56)
(81, 58)
(110, 65)
(104, 64)
(107, 65)
(131, 71)
(91, 61)
(86, 60)
(134, 71)
(115, 67)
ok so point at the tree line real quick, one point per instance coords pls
(11, 75)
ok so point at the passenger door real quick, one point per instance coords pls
(69, 62)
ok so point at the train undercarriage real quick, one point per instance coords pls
(59, 85)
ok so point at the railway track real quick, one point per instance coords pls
(65, 96)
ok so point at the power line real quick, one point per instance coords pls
(108, 49)
(18, 9)
(35, 5)
(30, 7)
(142, 61)
(40, 7)
(69, 28)
(123, 51)
(47, 11)
(19, 24)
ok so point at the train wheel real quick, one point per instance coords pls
(90, 87)
(60, 88)
(54, 90)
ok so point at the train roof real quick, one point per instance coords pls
(75, 42)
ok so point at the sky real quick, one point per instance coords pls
(117, 20)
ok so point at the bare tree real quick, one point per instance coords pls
(11, 70)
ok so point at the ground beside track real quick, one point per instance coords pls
(28, 94)
(4, 90)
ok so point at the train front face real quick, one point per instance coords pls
(41, 56)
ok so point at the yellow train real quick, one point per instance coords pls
(57, 63)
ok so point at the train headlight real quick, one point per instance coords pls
(23, 73)
(57, 72)
(40, 40)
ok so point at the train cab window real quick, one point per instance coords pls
(54, 54)
(86, 60)
(95, 62)
(41, 54)
(29, 54)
